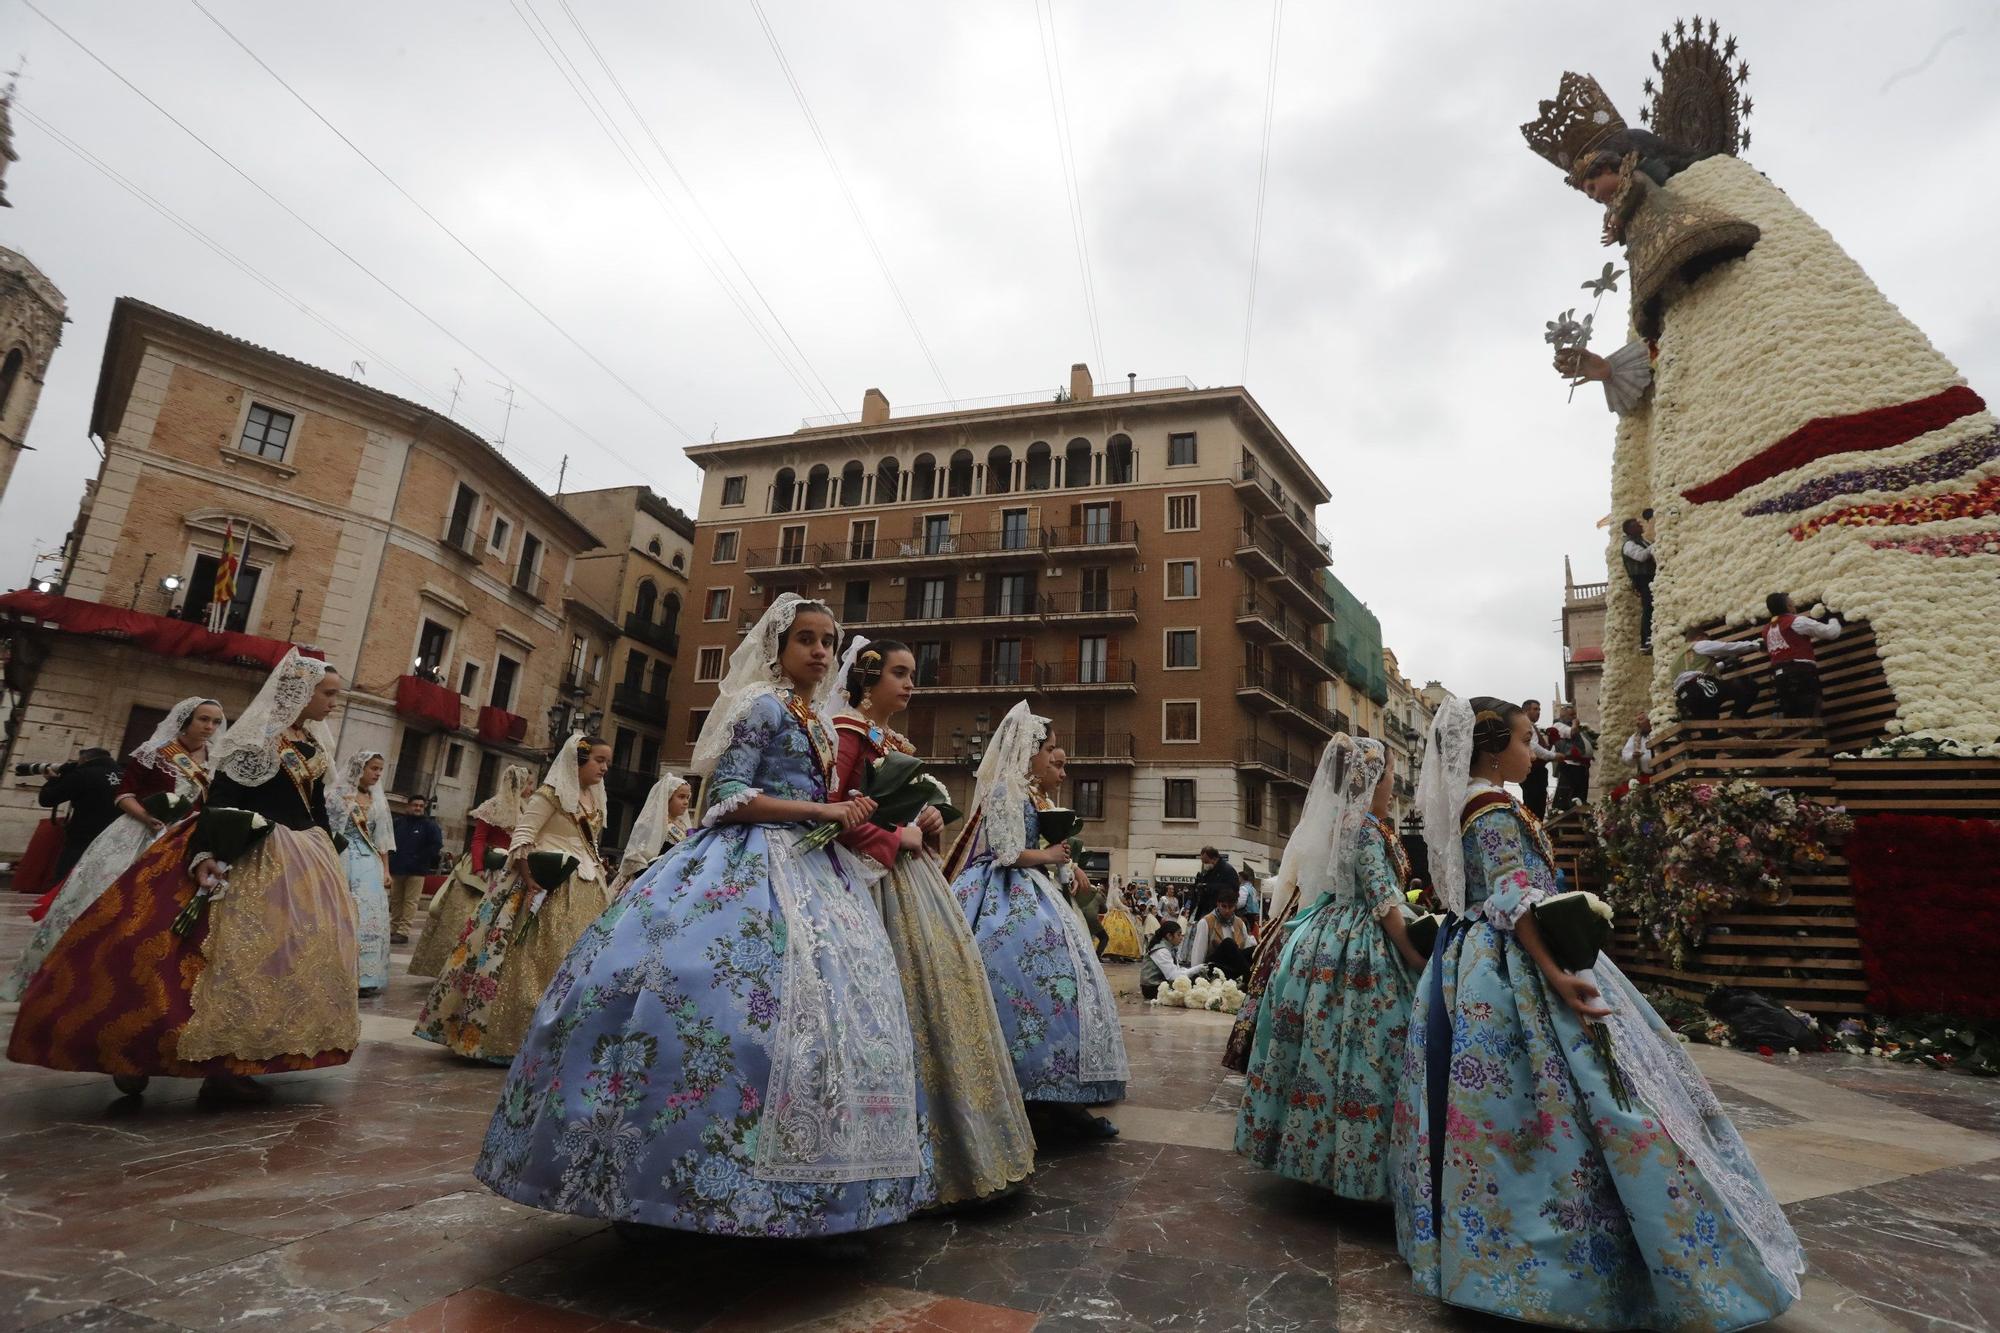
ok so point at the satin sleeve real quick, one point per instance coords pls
(871, 840)
(734, 783)
(540, 809)
(1516, 875)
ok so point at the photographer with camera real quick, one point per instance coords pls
(89, 786)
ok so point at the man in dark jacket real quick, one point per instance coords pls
(89, 786)
(1215, 883)
(418, 842)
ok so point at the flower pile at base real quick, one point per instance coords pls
(1223, 997)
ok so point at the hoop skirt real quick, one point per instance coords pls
(1557, 1205)
(371, 909)
(1331, 1025)
(726, 1049)
(102, 862)
(264, 982)
(1121, 934)
(1055, 1004)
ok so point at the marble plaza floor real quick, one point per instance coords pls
(348, 1204)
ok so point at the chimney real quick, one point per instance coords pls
(1079, 382)
(874, 408)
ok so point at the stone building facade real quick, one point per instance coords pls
(385, 536)
(1406, 722)
(1583, 648)
(1142, 564)
(640, 574)
(31, 324)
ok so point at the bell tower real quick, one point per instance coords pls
(31, 321)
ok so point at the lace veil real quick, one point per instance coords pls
(249, 753)
(833, 696)
(1001, 791)
(1320, 853)
(502, 809)
(346, 787)
(753, 673)
(653, 827)
(1441, 792)
(564, 780)
(170, 728)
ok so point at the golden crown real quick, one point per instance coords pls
(1570, 129)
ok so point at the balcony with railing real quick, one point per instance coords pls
(1107, 606)
(497, 726)
(978, 678)
(1257, 488)
(432, 705)
(461, 541)
(1274, 761)
(637, 701)
(527, 584)
(1578, 594)
(1258, 553)
(1101, 536)
(628, 784)
(785, 560)
(1089, 677)
(993, 546)
(1299, 580)
(962, 613)
(1262, 689)
(1100, 749)
(1314, 716)
(652, 633)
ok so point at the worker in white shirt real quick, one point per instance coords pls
(1700, 694)
(1638, 750)
(1788, 639)
(1535, 787)
(1637, 555)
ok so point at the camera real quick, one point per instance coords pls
(38, 770)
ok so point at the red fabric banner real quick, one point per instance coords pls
(1858, 432)
(1927, 904)
(497, 726)
(156, 634)
(424, 701)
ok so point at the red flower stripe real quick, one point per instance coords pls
(1956, 544)
(1859, 432)
(1978, 502)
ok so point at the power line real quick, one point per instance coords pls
(436, 221)
(1072, 186)
(1263, 174)
(333, 245)
(621, 143)
(695, 199)
(840, 177)
(222, 251)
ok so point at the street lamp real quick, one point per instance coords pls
(171, 583)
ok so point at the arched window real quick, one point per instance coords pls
(1076, 464)
(818, 483)
(1037, 472)
(781, 491)
(887, 473)
(959, 481)
(670, 611)
(923, 478)
(999, 470)
(10, 371)
(649, 597)
(1118, 461)
(850, 484)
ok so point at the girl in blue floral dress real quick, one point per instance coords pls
(726, 1049)
(1056, 1006)
(1321, 1077)
(1531, 1179)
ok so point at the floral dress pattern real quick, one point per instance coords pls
(725, 1050)
(1554, 1204)
(362, 859)
(1331, 1026)
(1040, 961)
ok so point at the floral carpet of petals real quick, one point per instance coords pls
(1946, 464)
(1951, 545)
(1978, 502)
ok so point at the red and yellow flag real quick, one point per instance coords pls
(225, 578)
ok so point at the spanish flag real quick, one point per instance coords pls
(225, 579)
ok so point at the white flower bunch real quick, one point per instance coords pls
(1217, 996)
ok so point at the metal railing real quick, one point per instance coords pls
(460, 538)
(1024, 398)
(1086, 534)
(980, 675)
(1099, 748)
(652, 633)
(529, 586)
(1108, 602)
(1056, 675)
(640, 702)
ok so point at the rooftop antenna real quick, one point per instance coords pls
(359, 369)
(457, 387)
(561, 473)
(507, 420)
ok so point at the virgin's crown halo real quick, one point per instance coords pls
(1572, 126)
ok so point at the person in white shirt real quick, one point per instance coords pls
(1700, 694)
(1638, 750)
(1535, 787)
(1575, 748)
(1637, 555)
(1158, 968)
(1788, 640)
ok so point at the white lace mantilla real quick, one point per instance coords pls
(1100, 1041)
(841, 1105)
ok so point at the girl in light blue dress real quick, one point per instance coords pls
(361, 817)
(726, 1049)
(1056, 1006)
(1331, 1023)
(1531, 1179)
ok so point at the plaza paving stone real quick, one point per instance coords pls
(348, 1203)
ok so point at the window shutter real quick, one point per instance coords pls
(1076, 521)
(1117, 517)
(912, 598)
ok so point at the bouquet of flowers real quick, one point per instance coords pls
(1576, 926)
(900, 788)
(223, 834)
(1203, 989)
(167, 807)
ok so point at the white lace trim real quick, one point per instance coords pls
(841, 1104)
(717, 809)
(1442, 785)
(1100, 1041)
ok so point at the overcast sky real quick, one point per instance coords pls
(1412, 246)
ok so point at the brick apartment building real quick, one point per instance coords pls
(1583, 648)
(1141, 563)
(387, 537)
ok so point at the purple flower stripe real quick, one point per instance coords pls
(1944, 465)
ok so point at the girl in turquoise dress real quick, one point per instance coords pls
(1321, 1077)
(726, 1049)
(1527, 1182)
(361, 817)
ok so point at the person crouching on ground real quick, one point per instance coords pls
(1222, 942)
